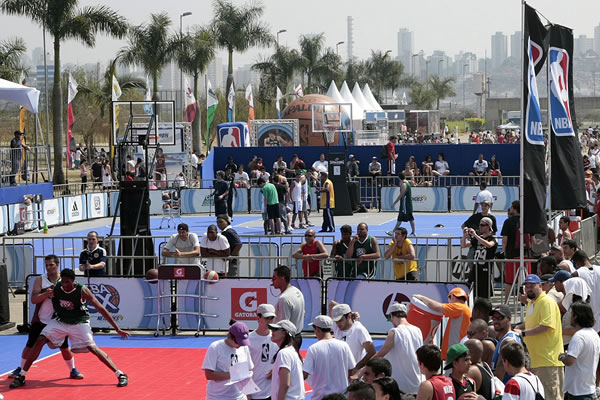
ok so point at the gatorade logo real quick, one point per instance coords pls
(392, 298)
(245, 301)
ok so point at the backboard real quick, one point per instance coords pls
(331, 114)
(132, 119)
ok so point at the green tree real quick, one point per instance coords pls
(330, 69)
(357, 71)
(238, 29)
(386, 73)
(442, 88)
(194, 53)
(11, 51)
(279, 68)
(421, 96)
(64, 20)
(151, 47)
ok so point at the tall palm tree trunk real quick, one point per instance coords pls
(57, 113)
(196, 139)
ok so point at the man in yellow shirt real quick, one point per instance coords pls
(542, 334)
(327, 203)
(402, 248)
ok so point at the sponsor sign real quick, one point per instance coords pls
(244, 303)
(52, 209)
(200, 200)
(423, 198)
(462, 198)
(75, 208)
(97, 205)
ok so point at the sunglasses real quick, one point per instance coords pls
(309, 235)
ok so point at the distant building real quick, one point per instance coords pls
(244, 75)
(515, 45)
(583, 44)
(406, 50)
(40, 79)
(350, 38)
(216, 73)
(597, 39)
(439, 63)
(499, 49)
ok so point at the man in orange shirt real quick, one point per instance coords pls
(458, 313)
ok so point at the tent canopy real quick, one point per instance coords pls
(27, 97)
(360, 99)
(357, 111)
(370, 98)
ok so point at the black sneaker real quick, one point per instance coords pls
(123, 380)
(16, 372)
(18, 382)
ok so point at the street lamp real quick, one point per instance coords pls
(412, 59)
(278, 32)
(464, 104)
(386, 53)
(439, 62)
(337, 48)
(185, 14)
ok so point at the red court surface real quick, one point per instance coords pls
(154, 373)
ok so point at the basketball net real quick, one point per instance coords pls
(329, 133)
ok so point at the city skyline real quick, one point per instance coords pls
(437, 30)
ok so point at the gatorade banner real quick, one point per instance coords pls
(567, 187)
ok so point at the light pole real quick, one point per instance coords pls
(412, 59)
(185, 14)
(439, 63)
(464, 105)
(278, 32)
(337, 47)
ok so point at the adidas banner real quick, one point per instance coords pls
(534, 167)
(567, 187)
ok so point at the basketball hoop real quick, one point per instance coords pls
(329, 133)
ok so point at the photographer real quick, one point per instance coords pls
(92, 260)
(485, 245)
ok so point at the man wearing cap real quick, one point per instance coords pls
(473, 220)
(352, 332)
(329, 362)
(290, 304)
(501, 318)
(353, 168)
(375, 168)
(235, 244)
(400, 346)
(458, 313)
(287, 379)
(401, 248)
(262, 350)
(183, 246)
(483, 195)
(548, 283)
(542, 333)
(485, 249)
(459, 360)
(222, 355)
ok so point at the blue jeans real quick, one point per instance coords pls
(580, 397)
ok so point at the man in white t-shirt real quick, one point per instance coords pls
(400, 347)
(352, 332)
(483, 195)
(262, 350)
(321, 165)
(329, 362)
(215, 247)
(581, 358)
(220, 357)
(480, 167)
(183, 246)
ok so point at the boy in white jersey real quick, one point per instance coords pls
(297, 201)
(262, 350)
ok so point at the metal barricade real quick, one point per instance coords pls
(19, 165)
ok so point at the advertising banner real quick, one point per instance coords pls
(462, 198)
(372, 299)
(97, 205)
(53, 211)
(21, 212)
(424, 198)
(75, 208)
(196, 201)
(239, 299)
(126, 299)
(3, 219)
(19, 261)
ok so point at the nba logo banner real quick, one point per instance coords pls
(567, 187)
(233, 134)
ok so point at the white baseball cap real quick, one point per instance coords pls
(339, 311)
(395, 307)
(266, 310)
(323, 322)
(286, 325)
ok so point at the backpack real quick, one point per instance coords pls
(538, 395)
(383, 154)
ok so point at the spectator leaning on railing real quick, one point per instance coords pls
(214, 247)
(401, 248)
(183, 246)
(92, 260)
(311, 251)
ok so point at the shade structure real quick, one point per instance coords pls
(370, 98)
(360, 99)
(334, 93)
(25, 96)
(357, 110)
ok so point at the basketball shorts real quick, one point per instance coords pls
(34, 333)
(298, 206)
(80, 335)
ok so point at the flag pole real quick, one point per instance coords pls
(549, 147)
(523, 138)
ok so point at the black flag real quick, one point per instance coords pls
(532, 137)
(567, 188)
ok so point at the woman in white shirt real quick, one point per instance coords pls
(287, 380)
(240, 178)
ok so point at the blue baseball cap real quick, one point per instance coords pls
(560, 276)
(533, 278)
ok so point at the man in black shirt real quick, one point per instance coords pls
(97, 172)
(485, 246)
(235, 244)
(232, 166)
(220, 193)
(16, 150)
(92, 260)
(473, 220)
(282, 194)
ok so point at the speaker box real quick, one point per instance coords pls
(4, 306)
(134, 202)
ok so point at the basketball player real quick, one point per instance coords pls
(72, 320)
(41, 296)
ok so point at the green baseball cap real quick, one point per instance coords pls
(455, 352)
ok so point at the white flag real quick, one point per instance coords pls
(231, 97)
(404, 102)
(279, 96)
(298, 90)
(72, 89)
(249, 96)
(116, 89)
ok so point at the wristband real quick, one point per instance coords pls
(523, 333)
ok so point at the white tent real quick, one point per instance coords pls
(360, 99)
(357, 110)
(370, 98)
(27, 97)
(334, 93)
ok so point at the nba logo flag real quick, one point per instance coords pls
(532, 138)
(567, 188)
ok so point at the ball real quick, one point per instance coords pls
(211, 276)
(152, 275)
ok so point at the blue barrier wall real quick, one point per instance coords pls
(14, 194)
(460, 157)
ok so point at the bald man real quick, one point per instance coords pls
(479, 370)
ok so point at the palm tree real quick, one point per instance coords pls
(64, 20)
(195, 52)
(442, 87)
(357, 72)
(421, 96)
(98, 92)
(150, 46)
(328, 69)
(311, 47)
(238, 29)
(11, 51)
(276, 70)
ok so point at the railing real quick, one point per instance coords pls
(586, 236)
(18, 166)
(450, 180)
